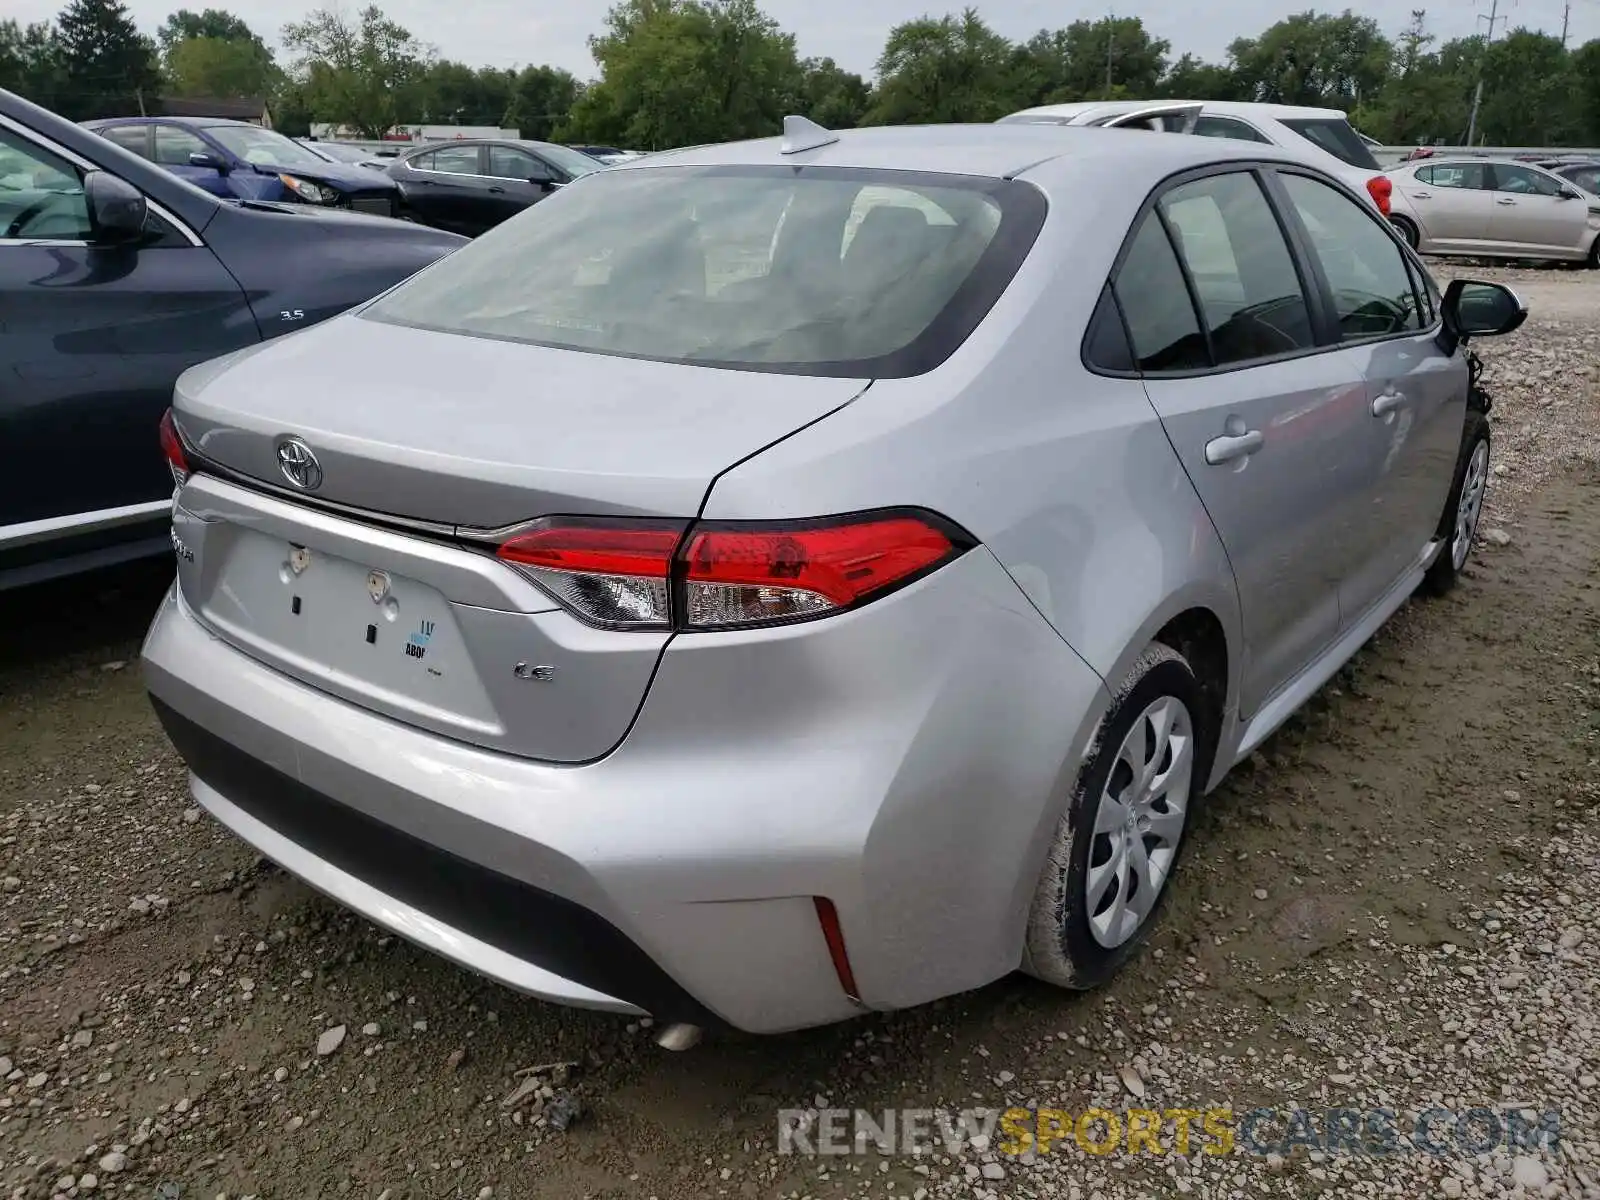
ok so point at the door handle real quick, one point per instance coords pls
(1232, 448)
(497, 191)
(1387, 403)
(1421, 195)
(1505, 200)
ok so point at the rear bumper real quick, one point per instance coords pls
(905, 761)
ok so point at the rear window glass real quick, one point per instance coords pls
(1337, 138)
(810, 270)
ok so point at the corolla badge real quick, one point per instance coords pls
(298, 464)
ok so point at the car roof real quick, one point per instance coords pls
(992, 151)
(1221, 108)
(196, 122)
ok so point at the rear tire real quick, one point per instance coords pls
(1463, 511)
(1105, 877)
(1407, 229)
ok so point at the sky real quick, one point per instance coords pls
(514, 33)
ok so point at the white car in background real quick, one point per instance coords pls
(1323, 135)
(1490, 208)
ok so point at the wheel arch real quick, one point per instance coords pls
(1201, 622)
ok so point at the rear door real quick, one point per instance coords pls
(511, 175)
(1452, 202)
(1403, 453)
(1263, 417)
(1530, 212)
(451, 184)
(91, 341)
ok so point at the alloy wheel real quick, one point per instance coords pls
(1470, 506)
(1139, 822)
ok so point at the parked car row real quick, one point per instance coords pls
(464, 186)
(117, 274)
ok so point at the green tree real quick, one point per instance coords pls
(943, 69)
(1191, 79)
(453, 93)
(108, 69)
(682, 72)
(1038, 72)
(219, 67)
(1112, 56)
(541, 102)
(830, 95)
(1313, 58)
(214, 53)
(1586, 87)
(212, 23)
(357, 73)
(1426, 100)
(30, 62)
(1529, 97)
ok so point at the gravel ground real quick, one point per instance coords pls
(1393, 905)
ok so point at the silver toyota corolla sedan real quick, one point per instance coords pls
(774, 581)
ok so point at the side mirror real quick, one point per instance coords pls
(208, 162)
(116, 209)
(1570, 193)
(1474, 309)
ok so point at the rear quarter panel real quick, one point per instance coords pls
(1066, 476)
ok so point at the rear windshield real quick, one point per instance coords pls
(803, 270)
(1337, 138)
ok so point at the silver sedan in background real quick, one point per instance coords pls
(1490, 208)
(769, 582)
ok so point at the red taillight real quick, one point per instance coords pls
(172, 447)
(1381, 188)
(650, 575)
(742, 575)
(613, 573)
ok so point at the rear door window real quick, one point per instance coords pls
(452, 160)
(1244, 276)
(1468, 176)
(1155, 300)
(1337, 138)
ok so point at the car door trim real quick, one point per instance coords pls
(84, 164)
(50, 528)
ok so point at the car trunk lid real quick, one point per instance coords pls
(375, 586)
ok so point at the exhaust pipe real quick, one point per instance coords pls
(679, 1036)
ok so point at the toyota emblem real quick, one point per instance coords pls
(298, 464)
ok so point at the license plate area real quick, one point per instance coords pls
(378, 637)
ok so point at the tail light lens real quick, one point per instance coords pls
(654, 575)
(1381, 188)
(611, 573)
(172, 447)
